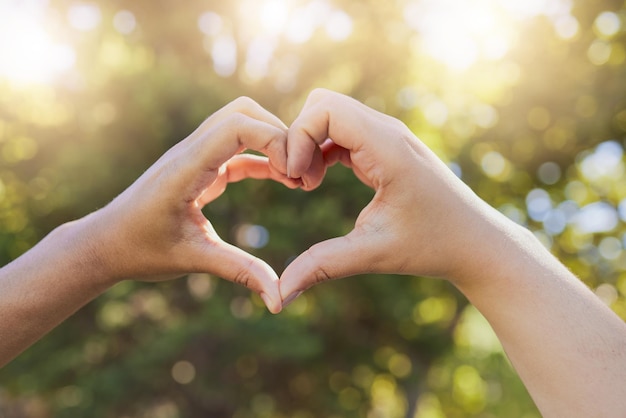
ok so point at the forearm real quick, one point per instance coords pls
(47, 284)
(566, 345)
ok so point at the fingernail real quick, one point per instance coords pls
(291, 298)
(288, 173)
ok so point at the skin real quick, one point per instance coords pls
(567, 346)
(569, 349)
(153, 231)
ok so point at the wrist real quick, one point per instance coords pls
(85, 243)
(499, 249)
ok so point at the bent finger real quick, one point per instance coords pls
(349, 123)
(248, 166)
(334, 154)
(242, 105)
(235, 265)
(241, 167)
(328, 260)
(228, 138)
(314, 174)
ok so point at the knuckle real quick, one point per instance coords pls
(248, 275)
(398, 125)
(235, 119)
(274, 140)
(320, 275)
(277, 137)
(319, 272)
(321, 94)
(243, 277)
(243, 103)
(234, 124)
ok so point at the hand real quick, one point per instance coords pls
(155, 230)
(422, 220)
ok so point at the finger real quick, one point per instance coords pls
(328, 260)
(313, 176)
(349, 123)
(248, 166)
(242, 105)
(241, 167)
(224, 140)
(334, 154)
(306, 133)
(234, 264)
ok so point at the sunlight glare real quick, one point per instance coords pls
(258, 58)
(274, 15)
(124, 22)
(210, 23)
(607, 24)
(84, 16)
(566, 27)
(300, 28)
(596, 217)
(263, 18)
(461, 33)
(224, 54)
(339, 25)
(527, 8)
(305, 20)
(32, 56)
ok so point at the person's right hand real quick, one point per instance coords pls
(423, 220)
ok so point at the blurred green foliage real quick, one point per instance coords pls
(525, 100)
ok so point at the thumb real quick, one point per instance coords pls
(234, 264)
(328, 260)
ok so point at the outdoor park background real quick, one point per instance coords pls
(524, 99)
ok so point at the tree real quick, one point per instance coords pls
(525, 104)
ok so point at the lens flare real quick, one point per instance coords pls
(30, 55)
(461, 33)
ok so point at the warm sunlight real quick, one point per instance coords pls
(29, 54)
(297, 22)
(264, 18)
(462, 33)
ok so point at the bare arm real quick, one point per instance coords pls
(154, 230)
(568, 348)
(46, 285)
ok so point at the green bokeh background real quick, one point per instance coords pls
(536, 128)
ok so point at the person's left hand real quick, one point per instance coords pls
(155, 230)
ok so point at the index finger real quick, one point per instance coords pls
(241, 167)
(235, 133)
(245, 106)
(349, 123)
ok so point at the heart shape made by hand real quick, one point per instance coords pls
(160, 215)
